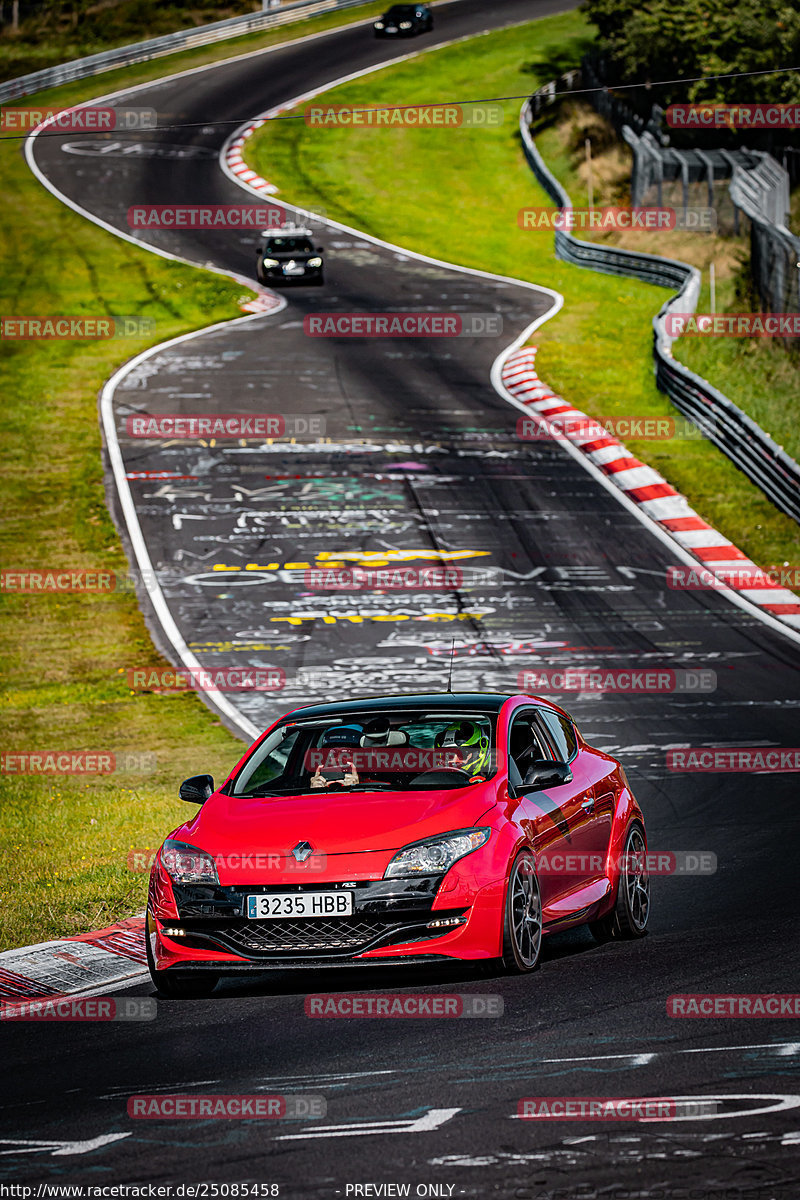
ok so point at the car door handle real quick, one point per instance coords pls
(588, 804)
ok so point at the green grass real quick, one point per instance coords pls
(65, 839)
(50, 52)
(49, 37)
(63, 656)
(756, 373)
(455, 194)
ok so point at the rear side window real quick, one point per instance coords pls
(526, 740)
(562, 735)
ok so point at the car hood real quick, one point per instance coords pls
(335, 823)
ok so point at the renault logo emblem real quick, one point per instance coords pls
(302, 851)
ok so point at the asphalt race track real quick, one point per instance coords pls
(421, 456)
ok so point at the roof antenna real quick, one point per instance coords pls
(452, 656)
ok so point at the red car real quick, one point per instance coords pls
(398, 830)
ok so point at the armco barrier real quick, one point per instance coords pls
(722, 422)
(169, 43)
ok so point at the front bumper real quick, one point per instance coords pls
(392, 920)
(276, 275)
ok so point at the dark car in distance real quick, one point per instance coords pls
(289, 256)
(404, 20)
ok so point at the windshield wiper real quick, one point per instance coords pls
(260, 794)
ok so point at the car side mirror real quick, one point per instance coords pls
(545, 774)
(197, 789)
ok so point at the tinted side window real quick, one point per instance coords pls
(526, 742)
(562, 733)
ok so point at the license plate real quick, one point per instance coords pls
(294, 270)
(391, 29)
(294, 904)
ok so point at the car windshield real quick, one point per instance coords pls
(289, 245)
(373, 751)
(401, 10)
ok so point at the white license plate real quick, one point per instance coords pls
(294, 270)
(295, 904)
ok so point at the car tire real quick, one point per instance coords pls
(179, 985)
(629, 916)
(522, 919)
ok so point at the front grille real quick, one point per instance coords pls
(315, 934)
(345, 935)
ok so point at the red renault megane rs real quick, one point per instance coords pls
(398, 830)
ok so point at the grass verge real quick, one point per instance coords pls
(756, 373)
(455, 194)
(65, 840)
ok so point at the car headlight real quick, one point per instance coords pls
(271, 262)
(378, 25)
(187, 864)
(315, 262)
(436, 855)
(405, 24)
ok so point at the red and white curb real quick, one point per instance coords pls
(236, 164)
(265, 301)
(649, 490)
(76, 965)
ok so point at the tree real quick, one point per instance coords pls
(702, 40)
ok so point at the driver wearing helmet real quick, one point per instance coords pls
(344, 739)
(469, 746)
